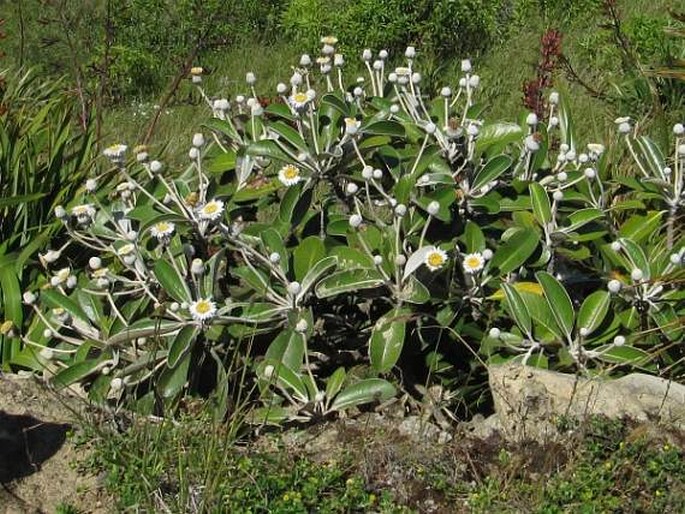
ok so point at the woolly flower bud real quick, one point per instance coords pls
(355, 220)
(377, 65)
(116, 384)
(465, 65)
(667, 170)
(590, 173)
(392, 77)
(446, 92)
(394, 108)
(47, 353)
(558, 195)
(197, 267)
(95, 263)
(294, 288)
(681, 150)
(305, 60)
(377, 260)
(472, 130)
(619, 341)
(174, 307)
(377, 174)
(430, 128)
(571, 155)
(532, 119)
(416, 78)
(584, 331)
(433, 208)
(616, 246)
(60, 212)
(281, 88)
(678, 129)
(383, 54)
(410, 52)
(193, 153)
(624, 127)
(301, 326)
(367, 172)
(554, 98)
(563, 148)
(367, 55)
(91, 185)
(47, 333)
(676, 259)
(198, 140)
(487, 254)
(531, 144)
(553, 121)
(71, 282)
(275, 257)
(495, 333)
(268, 371)
(155, 166)
(400, 209)
(351, 188)
(474, 81)
(614, 286)
(28, 297)
(338, 60)
(562, 176)
(636, 274)
(583, 158)
(400, 260)
(296, 79)
(358, 91)
(462, 82)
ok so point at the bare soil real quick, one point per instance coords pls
(38, 457)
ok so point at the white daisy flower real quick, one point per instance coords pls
(83, 213)
(299, 100)
(289, 175)
(162, 230)
(115, 152)
(212, 210)
(202, 310)
(60, 277)
(352, 126)
(436, 259)
(473, 262)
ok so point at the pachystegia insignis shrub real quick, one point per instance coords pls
(344, 235)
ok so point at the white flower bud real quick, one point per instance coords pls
(358, 91)
(394, 108)
(352, 188)
(678, 129)
(47, 333)
(129, 259)
(462, 82)
(155, 166)
(571, 155)
(193, 153)
(400, 209)
(383, 54)
(355, 220)
(367, 55)
(554, 98)
(616, 246)
(474, 81)
(392, 77)
(296, 79)
(624, 128)
(71, 282)
(29, 297)
(198, 140)
(301, 326)
(377, 174)
(465, 65)
(281, 88)
(305, 60)
(563, 148)
(132, 235)
(430, 128)
(275, 257)
(433, 208)
(377, 65)
(60, 212)
(531, 144)
(487, 254)
(416, 78)
(47, 353)
(667, 171)
(91, 185)
(174, 307)
(377, 260)
(681, 150)
(583, 158)
(558, 195)
(106, 370)
(197, 267)
(269, 371)
(584, 331)
(532, 119)
(590, 173)
(472, 130)
(446, 92)
(676, 259)
(619, 341)
(367, 172)
(636, 274)
(400, 260)
(410, 52)
(553, 121)
(338, 60)
(562, 176)
(294, 288)
(116, 384)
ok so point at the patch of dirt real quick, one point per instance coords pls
(38, 459)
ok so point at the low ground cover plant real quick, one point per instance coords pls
(340, 238)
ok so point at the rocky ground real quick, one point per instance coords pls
(38, 457)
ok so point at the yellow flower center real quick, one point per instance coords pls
(211, 208)
(435, 259)
(472, 262)
(290, 172)
(162, 226)
(203, 307)
(301, 97)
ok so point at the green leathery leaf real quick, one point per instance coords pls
(518, 308)
(491, 171)
(173, 380)
(182, 344)
(516, 250)
(287, 348)
(540, 202)
(364, 391)
(349, 280)
(174, 284)
(593, 310)
(310, 251)
(387, 339)
(558, 300)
